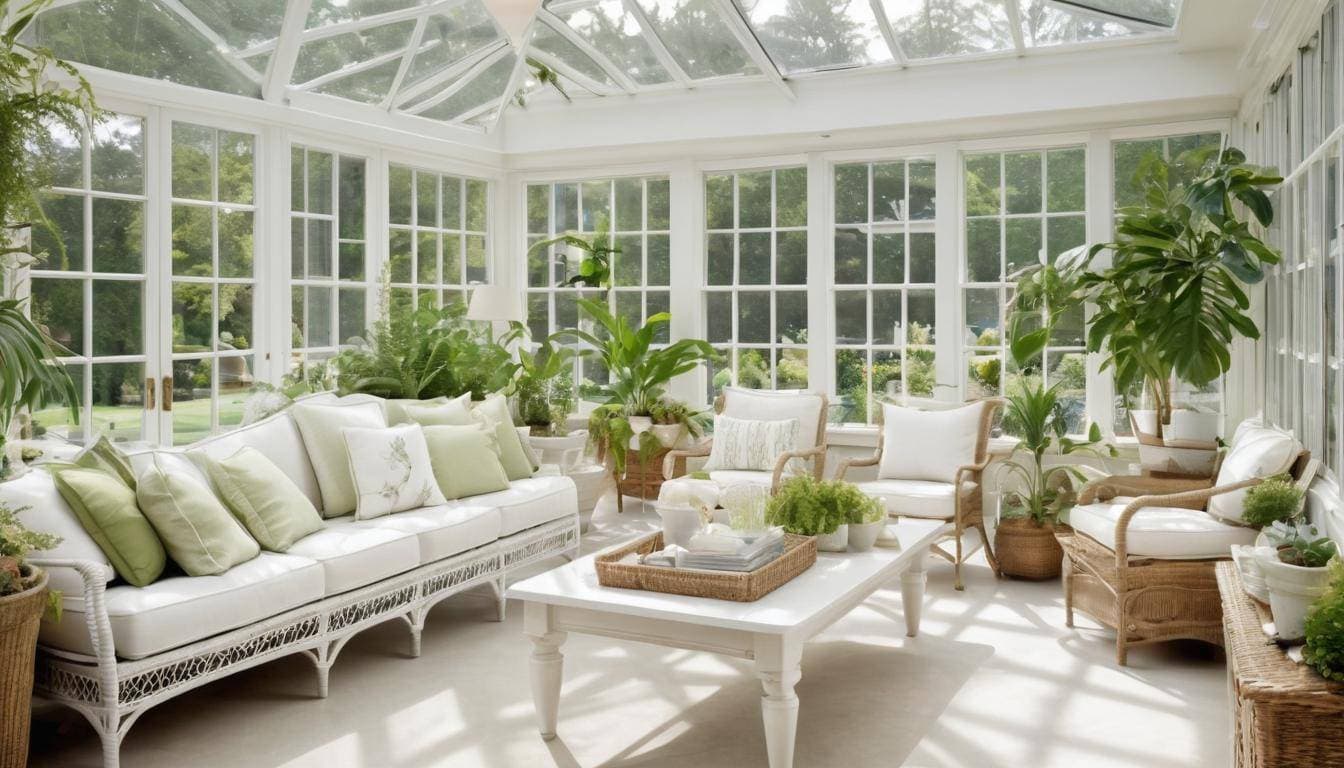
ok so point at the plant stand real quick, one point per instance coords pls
(20, 616)
(1027, 550)
(643, 478)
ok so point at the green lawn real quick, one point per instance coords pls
(191, 419)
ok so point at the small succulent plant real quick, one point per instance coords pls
(1301, 544)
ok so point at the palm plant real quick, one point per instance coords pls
(30, 375)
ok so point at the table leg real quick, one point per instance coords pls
(777, 665)
(912, 593)
(546, 666)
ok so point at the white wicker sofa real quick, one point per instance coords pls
(120, 649)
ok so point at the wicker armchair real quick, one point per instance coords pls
(674, 463)
(1152, 597)
(965, 495)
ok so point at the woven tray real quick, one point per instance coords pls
(800, 552)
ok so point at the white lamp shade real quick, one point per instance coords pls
(495, 302)
(513, 17)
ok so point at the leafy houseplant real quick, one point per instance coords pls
(821, 508)
(1172, 300)
(674, 420)
(1324, 629)
(594, 269)
(1275, 500)
(543, 383)
(1296, 573)
(23, 599)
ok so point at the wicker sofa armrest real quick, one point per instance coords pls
(843, 468)
(94, 576)
(1188, 498)
(1139, 485)
(696, 451)
(816, 454)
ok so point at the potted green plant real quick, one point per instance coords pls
(1296, 573)
(1277, 499)
(1324, 631)
(675, 423)
(1173, 298)
(23, 599)
(592, 254)
(867, 518)
(543, 391)
(820, 508)
(639, 374)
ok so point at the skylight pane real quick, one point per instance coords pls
(139, 37)
(325, 12)
(327, 55)
(698, 38)
(449, 36)
(369, 86)
(616, 33)
(549, 41)
(933, 29)
(1159, 12)
(487, 87)
(807, 36)
(241, 25)
(1045, 23)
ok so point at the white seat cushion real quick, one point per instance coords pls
(727, 477)
(529, 502)
(916, 498)
(445, 530)
(1171, 533)
(354, 554)
(175, 611)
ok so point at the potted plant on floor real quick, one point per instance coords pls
(1296, 573)
(543, 390)
(23, 599)
(1173, 298)
(820, 508)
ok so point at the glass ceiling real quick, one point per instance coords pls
(449, 60)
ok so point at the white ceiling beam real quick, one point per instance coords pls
(357, 67)
(412, 51)
(449, 73)
(888, 34)
(1014, 9)
(355, 25)
(584, 81)
(515, 77)
(471, 74)
(655, 42)
(737, 23)
(609, 67)
(281, 66)
(221, 46)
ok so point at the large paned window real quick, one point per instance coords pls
(436, 241)
(328, 252)
(885, 264)
(756, 277)
(213, 282)
(89, 290)
(1022, 209)
(634, 213)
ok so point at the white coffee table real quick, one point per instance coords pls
(771, 631)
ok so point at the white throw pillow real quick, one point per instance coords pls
(1258, 452)
(321, 425)
(443, 412)
(391, 470)
(750, 444)
(765, 405)
(928, 445)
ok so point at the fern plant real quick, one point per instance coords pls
(1276, 499)
(809, 507)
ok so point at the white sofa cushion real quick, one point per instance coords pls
(175, 611)
(445, 530)
(1172, 533)
(529, 502)
(42, 509)
(1258, 452)
(171, 460)
(916, 498)
(321, 423)
(354, 554)
(780, 405)
(391, 470)
(928, 445)
(278, 439)
(750, 444)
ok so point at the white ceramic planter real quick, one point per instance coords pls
(863, 536)
(1292, 590)
(1190, 449)
(680, 523)
(639, 425)
(564, 452)
(834, 542)
(591, 481)
(670, 435)
(1192, 426)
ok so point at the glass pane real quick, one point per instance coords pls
(851, 317)
(192, 322)
(61, 247)
(58, 307)
(629, 205)
(297, 257)
(791, 317)
(319, 249)
(119, 401)
(614, 32)
(659, 260)
(982, 185)
(476, 204)
(753, 369)
(851, 194)
(656, 302)
(659, 204)
(549, 41)
(719, 202)
(1023, 244)
(448, 36)
(484, 89)
(791, 197)
(538, 203)
(696, 36)
(719, 251)
(350, 315)
(399, 255)
(923, 203)
(753, 317)
(719, 317)
(426, 199)
(427, 258)
(982, 317)
(927, 30)
(983, 369)
(802, 37)
(54, 420)
(791, 258)
(887, 317)
(886, 377)
(451, 246)
(923, 259)
(1065, 170)
(538, 315)
(192, 403)
(476, 262)
(983, 263)
(352, 261)
(851, 256)
(399, 195)
(919, 372)
(1128, 158)
(235, 317)
(889, 192)
(596, 206)
(753, 258)
(920, 315)
(235, 168)
(1022, 177)
(193, 155)
(192, 241)
(369, 85)
(889, 258)
(118, 236)
(1063, 233)
(235, 243)
(851, 384)
(319, 182)
(753, 199)
(117, 155)
(298, 317)
(629, 263)
(791, 369)
(1069, 371)
(118, 317)
(330, 54)
(235, 384)
(64, 157)
(319, 317)
(1045, 23)
(566, 207)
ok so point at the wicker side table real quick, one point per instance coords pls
(1283, 713)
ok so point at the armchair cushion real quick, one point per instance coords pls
(726, 477)
(750, 444)
(928, 445)
(1257, 452)
(916, 498)
(1171, 533)
(766, 405)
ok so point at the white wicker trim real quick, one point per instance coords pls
(112, 694)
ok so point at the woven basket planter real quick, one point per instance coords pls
(1027, 550)
(19, 618)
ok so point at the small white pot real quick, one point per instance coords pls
(1192, 426)
(1292, 590)
(863, 536)
(638, 425)
(680, 523)
(563, 451)
(670, 435)
(834, 542)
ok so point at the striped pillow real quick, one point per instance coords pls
(750, 444)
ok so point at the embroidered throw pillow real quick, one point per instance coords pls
(750, 444)
(391, 470)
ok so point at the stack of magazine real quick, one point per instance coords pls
(753, 554)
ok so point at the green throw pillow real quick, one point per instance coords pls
(107, 509)
(493, 413)
(465, 460)
(198, 532)
(450, 413)
(396, 408)
(105, 456)
(263, 498)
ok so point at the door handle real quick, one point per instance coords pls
(167, 393)
(149, 393)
